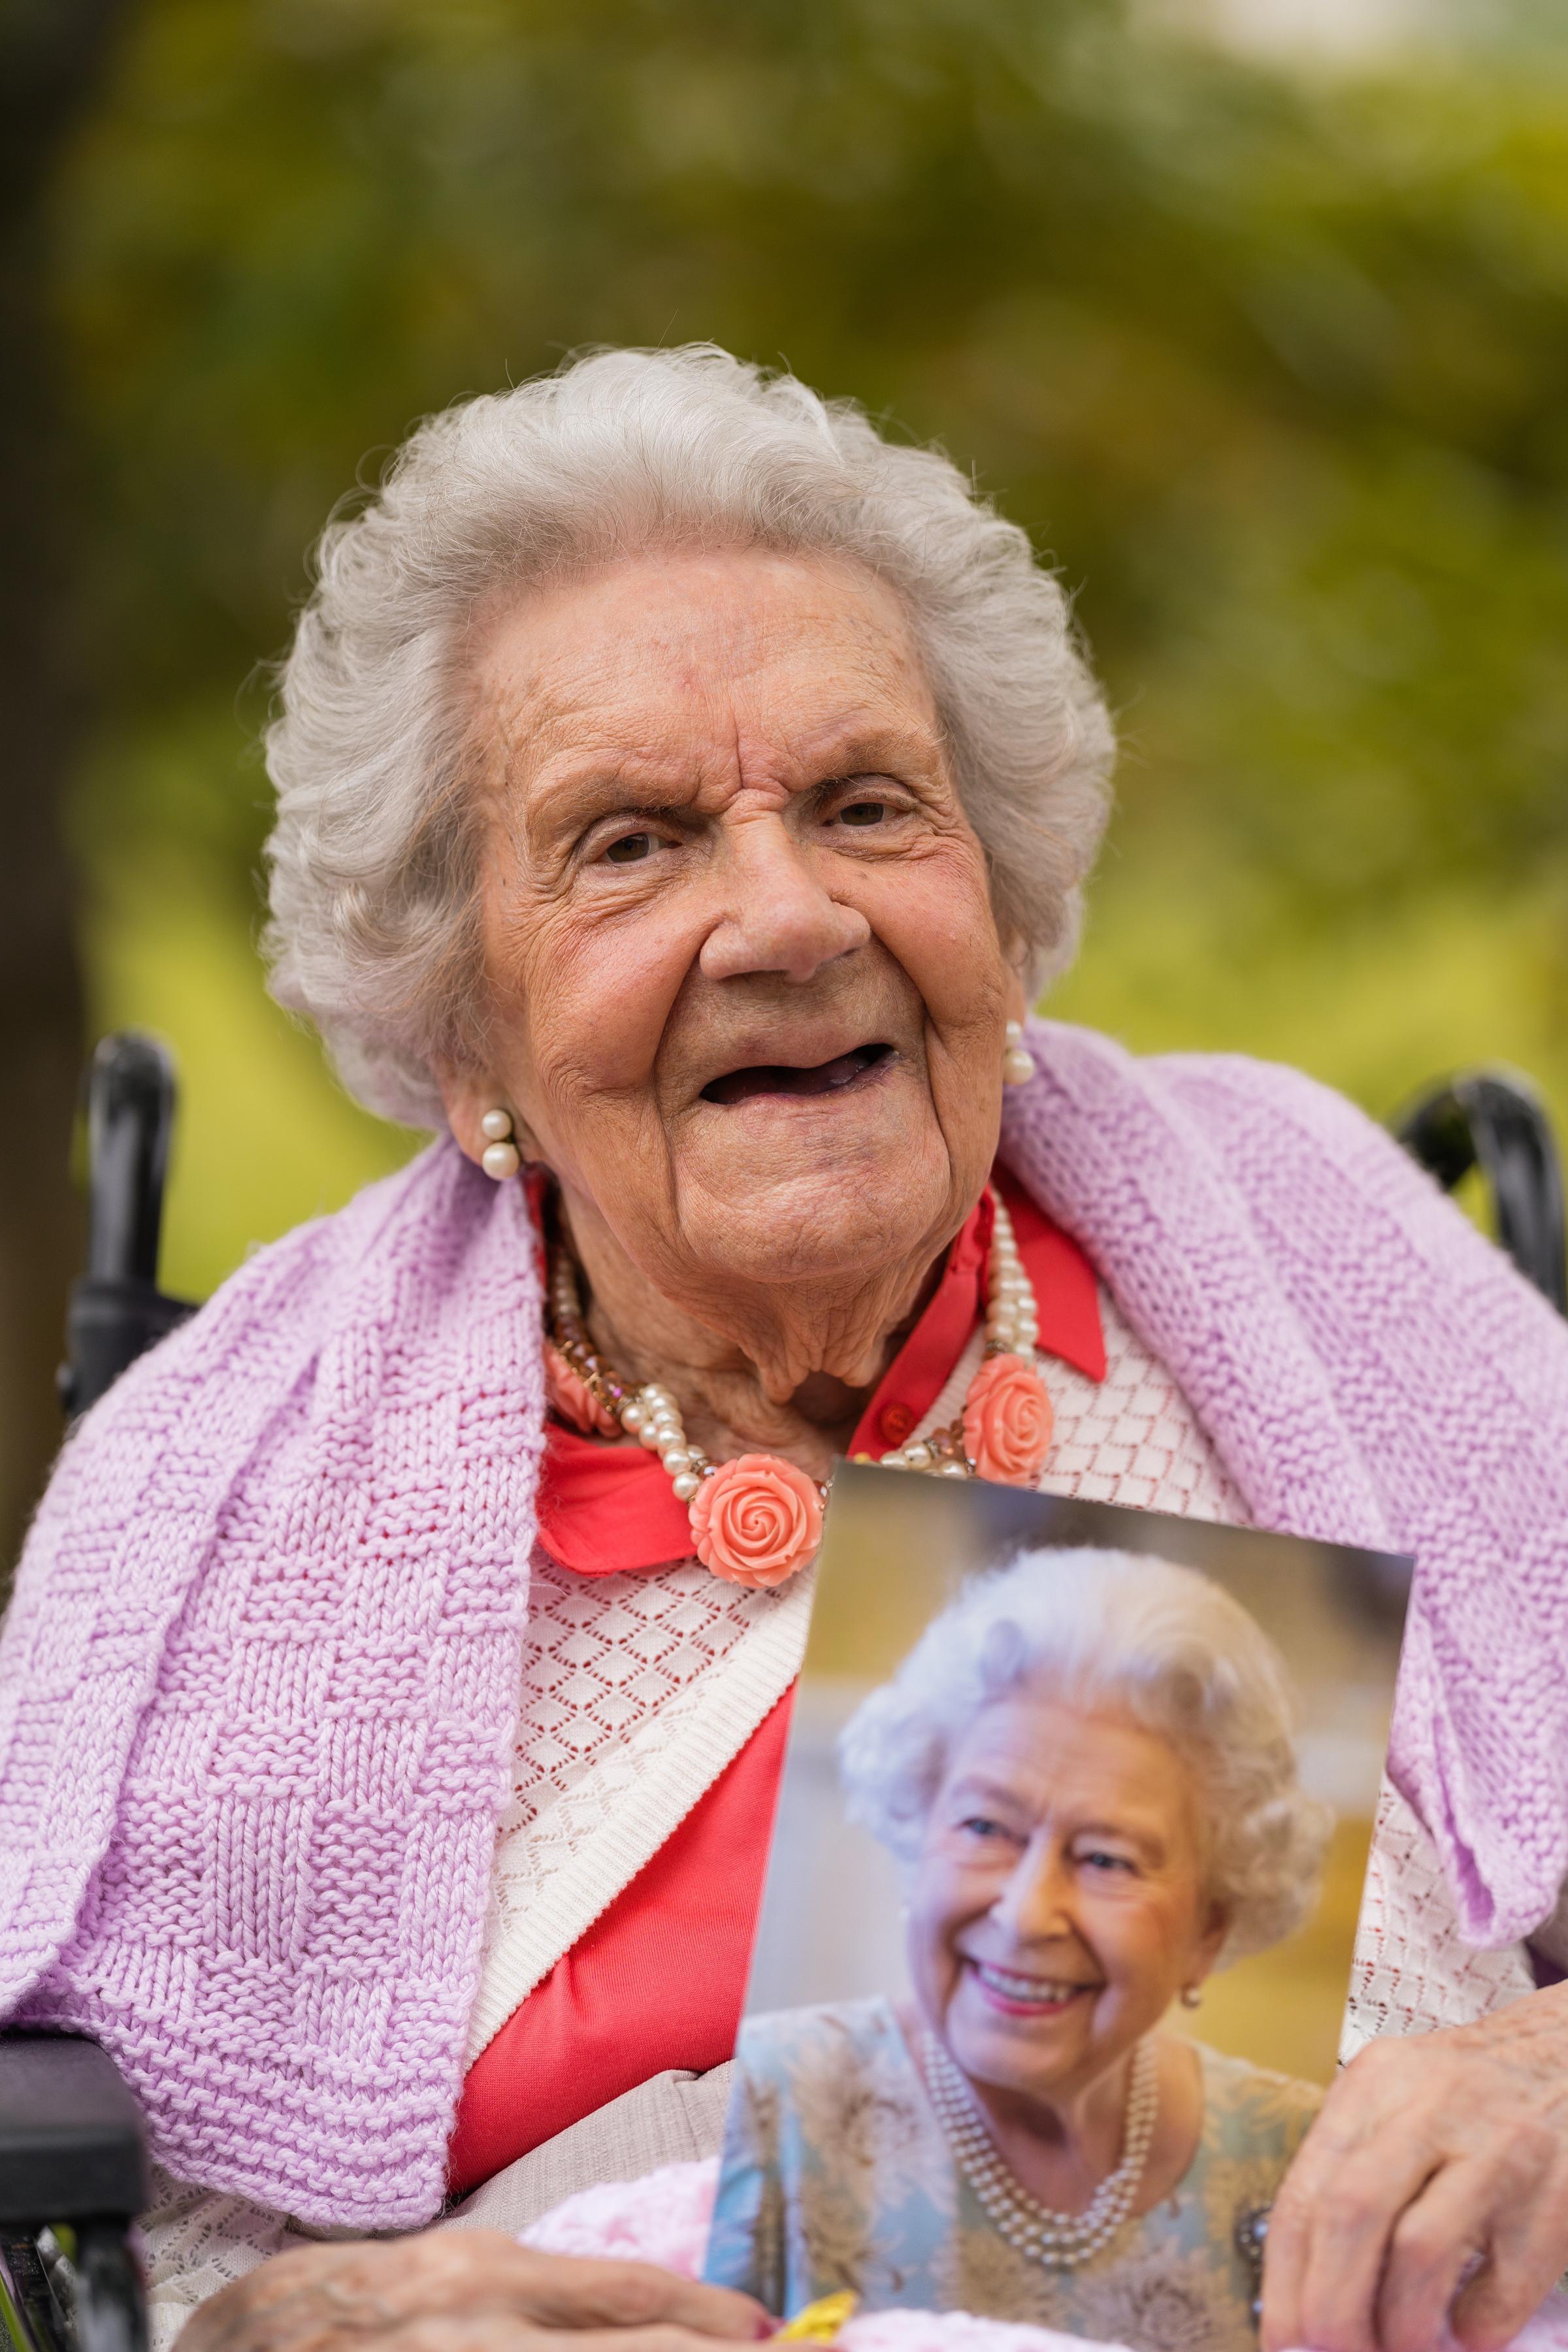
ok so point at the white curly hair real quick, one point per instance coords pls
(372, 859)
(1118, 1631)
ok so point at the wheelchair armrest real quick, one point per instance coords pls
(72, 2147)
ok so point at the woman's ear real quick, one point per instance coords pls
(1211, 1942)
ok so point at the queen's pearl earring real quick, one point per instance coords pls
(1018, 1061)
(500, 1157)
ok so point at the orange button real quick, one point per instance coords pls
(895, 1422)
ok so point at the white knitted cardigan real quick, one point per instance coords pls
(638, 1689)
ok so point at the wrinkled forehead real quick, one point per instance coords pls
(658, 656)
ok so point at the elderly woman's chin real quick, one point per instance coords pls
(786, 1186)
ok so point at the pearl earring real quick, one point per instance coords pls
(1191, 1996)
(1018, 1061)
(500, 1157)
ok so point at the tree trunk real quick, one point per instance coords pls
(51, 54)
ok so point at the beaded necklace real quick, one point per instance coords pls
(1059, 2240)
(757, 1520)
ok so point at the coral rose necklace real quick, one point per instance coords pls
(756, 1520)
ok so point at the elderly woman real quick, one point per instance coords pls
(682, 793)
(1085, 1771)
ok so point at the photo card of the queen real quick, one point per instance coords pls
(1051, 1970)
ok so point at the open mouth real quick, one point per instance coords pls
(781, 1079)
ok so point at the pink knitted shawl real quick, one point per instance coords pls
(259, 1679)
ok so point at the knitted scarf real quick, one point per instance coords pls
(259, 1678)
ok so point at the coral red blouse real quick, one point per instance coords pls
(660, 1979)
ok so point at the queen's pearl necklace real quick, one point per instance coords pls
(1059, 2240)
(651, 1415)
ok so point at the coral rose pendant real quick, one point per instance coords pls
(1007, 1422)
(756, 1520)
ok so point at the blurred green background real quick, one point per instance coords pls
(1265, 343)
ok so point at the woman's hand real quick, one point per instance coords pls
(1429, 2153)
(464, 2291)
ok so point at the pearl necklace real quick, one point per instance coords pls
(757, 1520)
(1059, 2240)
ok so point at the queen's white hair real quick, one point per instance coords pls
(374, 860)
(1115, 1630)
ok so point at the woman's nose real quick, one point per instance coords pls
(777, 914)
(1036, 1902)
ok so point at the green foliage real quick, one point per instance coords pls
(1276, 369)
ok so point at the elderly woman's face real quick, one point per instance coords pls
(745, 982)
(1058, 1905)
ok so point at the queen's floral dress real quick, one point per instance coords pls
(835, 2174)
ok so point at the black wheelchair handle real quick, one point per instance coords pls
(130, 1116)
(1494, 1120)
(116, 1309)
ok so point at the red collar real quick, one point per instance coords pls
(606, 1508)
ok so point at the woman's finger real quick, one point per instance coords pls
(1433, 2240)
(574, 2292)
(493, 2331)
(1285, 2253)
(1526, 2256)
(428, 2331)
(666, 2337)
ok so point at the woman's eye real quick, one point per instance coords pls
(863, 813)
(1097, 1859)
(630, 848)
(979, 1825)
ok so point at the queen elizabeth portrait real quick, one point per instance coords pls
(1085, 1771)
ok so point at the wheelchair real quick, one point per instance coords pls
(73, 2167)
